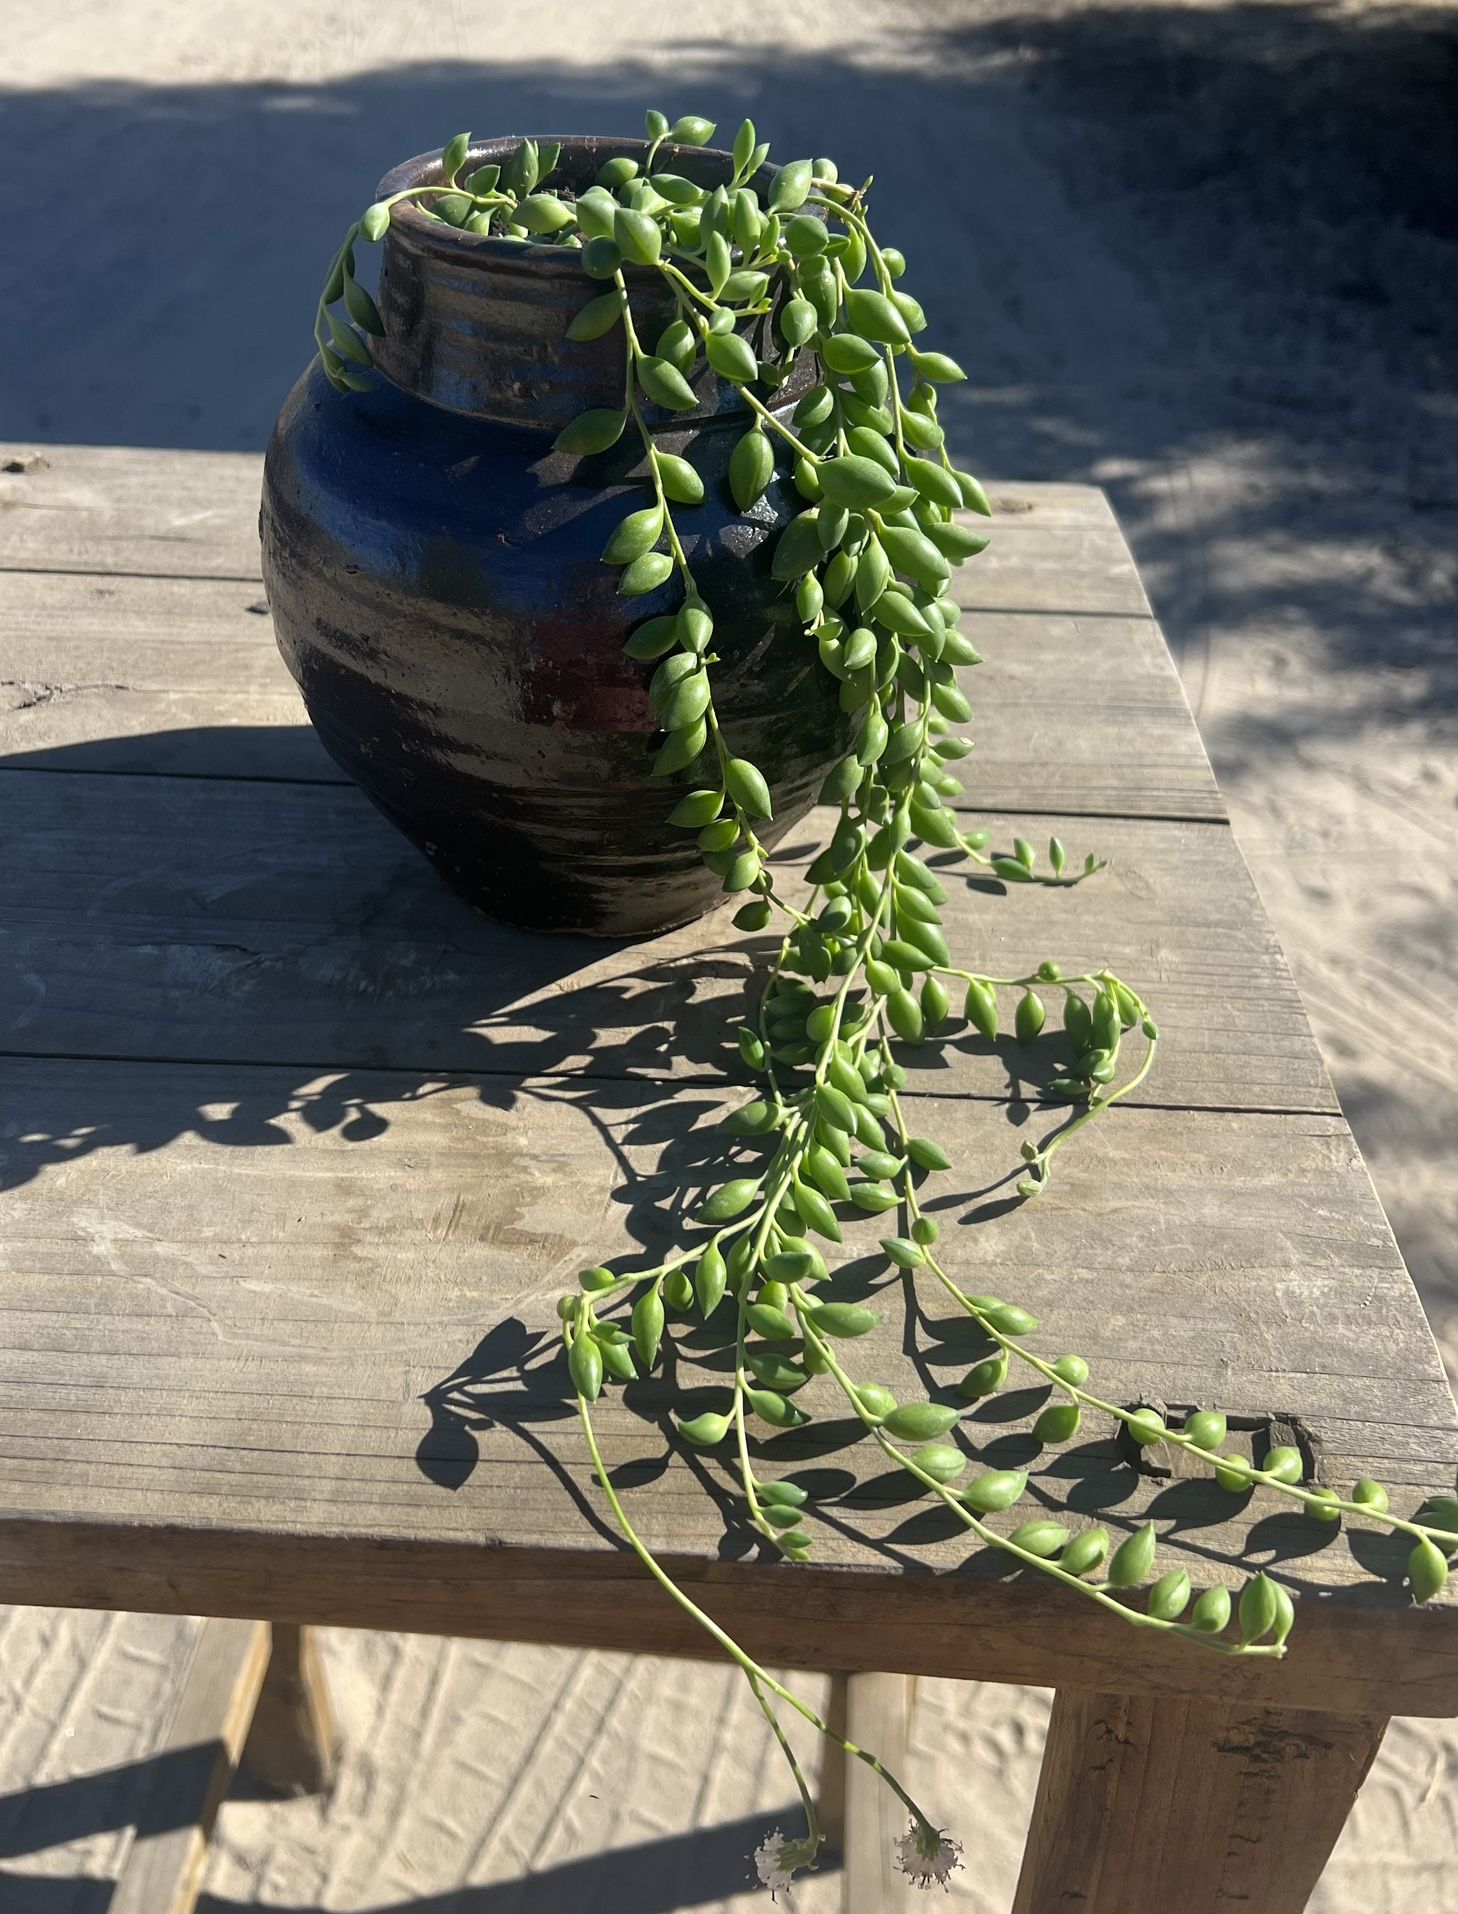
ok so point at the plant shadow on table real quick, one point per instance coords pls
(310, 975)
(399, 992)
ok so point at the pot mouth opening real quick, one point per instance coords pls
(581, 157)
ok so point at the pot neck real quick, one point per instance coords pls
(479, 325)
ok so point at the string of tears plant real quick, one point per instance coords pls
(771, 273)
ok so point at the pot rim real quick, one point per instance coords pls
(451, 241)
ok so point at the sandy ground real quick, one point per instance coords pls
(1205, 258)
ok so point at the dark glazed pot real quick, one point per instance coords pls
(433, 572)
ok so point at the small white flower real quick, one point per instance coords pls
(927, 1855)
(777, 1860)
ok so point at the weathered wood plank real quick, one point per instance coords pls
(345, 1355)
(878, 1712)
(298, 1361)
(289, 923)
(164, 513)
(1147, 1806)
(119, 508)
(1073, 570)
(162, 1873)
(1349, 1653)
(181, 676)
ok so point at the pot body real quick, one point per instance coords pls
(434, 575)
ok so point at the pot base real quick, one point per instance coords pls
(502, 874)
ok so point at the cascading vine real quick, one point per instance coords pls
(762, 269)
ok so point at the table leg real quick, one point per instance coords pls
(292, 1744)
(858, 1811)
(1149, 1806)
(831, 1803)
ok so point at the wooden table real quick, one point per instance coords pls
(299, 1152)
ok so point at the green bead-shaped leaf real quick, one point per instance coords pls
(1008, 1318)
(1146, 1428)
(590, 432)
(1206, 1428)
(584, 1360)
(777, 1410)
(645, 574)
(995, 1489)
(454, 157)
(982, 1008)
(984, 1378)
(680, 748)
(648, 1326)
(705, 1431)
(731, 357)
(1086, 1551)
(751, 466)
(1427, 1571)
(897, 612)
(746, 784)
(1211, 1613)
(847, 353)
(934, 482)
(1133, 1558)
(597, 317)
(543, 213)
(636, 534)
(771, 1323)
(920, 1421)
(1059, 1422)
(1258, 1609)
(679, 479)
(843, 1319)
(731, 1199)
(691, 130)
(637, 235)
(857, 483)
(940, 1461)
(362, 309)
(666, 385)
(874, 316)
(791, 186)
(938, 369)
(710, 1278)
(1041, 1538)
(1170, 1596)
(686, 703)
(927, 1155)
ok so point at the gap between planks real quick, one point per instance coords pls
(942, 1093)
(345, 783)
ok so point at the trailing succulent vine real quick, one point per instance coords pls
(765, 270)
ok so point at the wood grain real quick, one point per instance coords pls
(252, 921)
(127, 510)
(182, 677)
(348, 1348)
(1351, 1654)
(878, 1716)
(1148, 1806)
(305, 1149)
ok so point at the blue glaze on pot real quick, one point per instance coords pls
(433, 571)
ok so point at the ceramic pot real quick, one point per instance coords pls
(433, 572)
